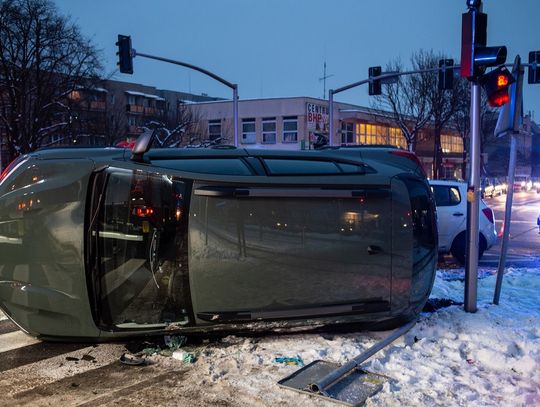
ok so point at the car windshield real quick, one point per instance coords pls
(142, 250)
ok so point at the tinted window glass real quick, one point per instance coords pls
(424, 231)
(225, 166)
(301, 167)
(351, 168)
(446, 195)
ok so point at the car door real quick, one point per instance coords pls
(451, 213)
(283, 252)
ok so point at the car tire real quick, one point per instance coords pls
(459, 246)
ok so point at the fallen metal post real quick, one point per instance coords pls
(328, 380)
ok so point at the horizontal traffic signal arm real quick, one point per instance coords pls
(383, 76)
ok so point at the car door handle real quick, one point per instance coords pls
(372, 249)
(457, 214)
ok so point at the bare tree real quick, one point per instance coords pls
(461, 119)
(443, 104)
(406, 102)
(416, 102)
(43, 59)
(176, 127)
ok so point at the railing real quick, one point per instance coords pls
(135, 109)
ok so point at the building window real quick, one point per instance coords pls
(131, 100)
(397, 138)
(290, 129)
(347, 133)
(451, 144)
(132, 121)
(373, 134)
(214, 129)
(269, 130)
(249, 135)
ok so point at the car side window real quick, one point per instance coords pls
(446, 195)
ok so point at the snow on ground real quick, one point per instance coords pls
(450, 358)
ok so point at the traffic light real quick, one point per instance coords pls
(125, 54)
(375, 85)
(496, 85)
(475, 55)
(446, 74)
(534, 67)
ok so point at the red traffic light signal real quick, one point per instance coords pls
(496, 85)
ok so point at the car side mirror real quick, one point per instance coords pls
(142, 145)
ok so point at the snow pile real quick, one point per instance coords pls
(451, 358)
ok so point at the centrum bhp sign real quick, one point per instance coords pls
(317, 117)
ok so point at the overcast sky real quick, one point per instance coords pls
(276, 48)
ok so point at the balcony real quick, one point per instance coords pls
(150, 111)
(135, 109)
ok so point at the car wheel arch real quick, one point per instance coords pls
(459, 245)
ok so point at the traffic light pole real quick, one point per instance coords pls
(388, 77)
(473, 204)
(212, 75)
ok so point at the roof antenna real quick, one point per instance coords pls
(324, 77)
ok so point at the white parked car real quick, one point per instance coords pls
(451, 200)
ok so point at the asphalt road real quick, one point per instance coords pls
(524, 238)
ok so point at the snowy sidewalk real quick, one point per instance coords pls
(450, 358)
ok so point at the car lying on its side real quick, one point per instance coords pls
(451, 201)
(107, 243)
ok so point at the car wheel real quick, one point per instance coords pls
(459, 247)
(482, 246)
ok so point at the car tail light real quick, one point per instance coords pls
(411, 156)
(144, 211)
(489, 214)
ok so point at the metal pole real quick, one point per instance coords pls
(331, 113)
(514, 115)
(185, 64)
(334, 375)
(473, 204)
(235, 114)
(507, 218)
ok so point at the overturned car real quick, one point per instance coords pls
(106, 243)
